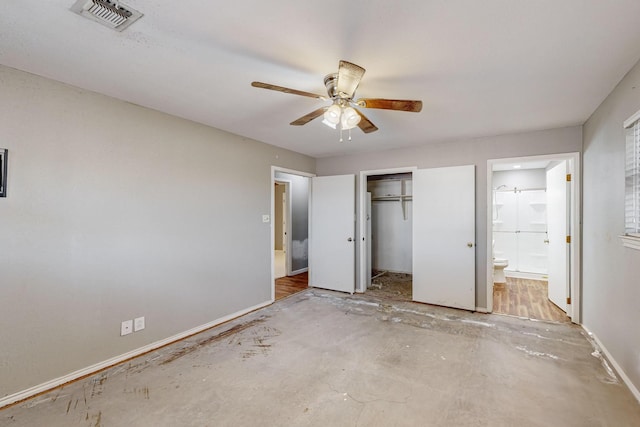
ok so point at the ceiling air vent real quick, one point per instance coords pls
(111, 13)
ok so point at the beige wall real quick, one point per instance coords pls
(116, 211)
(611, 272)
(468, 152)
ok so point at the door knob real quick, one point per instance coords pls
(469, 244)
(546, 241)
(349, 239)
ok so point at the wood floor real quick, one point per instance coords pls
(526, 298)
(518, 297)
(286, 286)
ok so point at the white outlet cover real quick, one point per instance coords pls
(138, 324)
(265, 218)
(126, 328)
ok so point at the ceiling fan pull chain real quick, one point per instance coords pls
(349, 134)
(341, 140)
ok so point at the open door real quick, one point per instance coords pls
(367, 242)
(557, 231)
(332, 239)
(444, 236)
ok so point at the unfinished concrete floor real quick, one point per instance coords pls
(320, 358)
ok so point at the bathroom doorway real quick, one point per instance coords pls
(386, 233)
(289, 231)
(532, 233)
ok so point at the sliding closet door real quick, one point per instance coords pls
(444, 236)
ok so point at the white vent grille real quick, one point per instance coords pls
(111, 13)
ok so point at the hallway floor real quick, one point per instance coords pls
(321, 358)
(290, 285)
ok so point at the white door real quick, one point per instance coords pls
(444, 236)
(332, 242)
(557, 231)
(367, 242)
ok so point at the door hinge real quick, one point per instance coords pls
(568, 239)
(568, 300)
(568, 177)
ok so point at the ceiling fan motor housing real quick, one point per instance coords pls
(330, 82)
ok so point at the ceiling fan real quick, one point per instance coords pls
(341, 88)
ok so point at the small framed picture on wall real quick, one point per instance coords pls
(3, 172)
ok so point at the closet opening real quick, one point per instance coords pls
(387, 235)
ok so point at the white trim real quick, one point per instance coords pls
(631, 242)
(89, 370)
(634, 390)
(482, 310)
(575, 310)
(489, 243)
(302, 270)
(362, 203)
(631, 120)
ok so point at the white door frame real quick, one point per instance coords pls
(574, 310)
(361, 261)
(275, 169)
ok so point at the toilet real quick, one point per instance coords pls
(499, 264)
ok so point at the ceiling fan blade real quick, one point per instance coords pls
(286, 90)
(391, 104)
(307, 118)
(349, 76)
(365, 124)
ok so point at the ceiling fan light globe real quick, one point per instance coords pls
(350, 118)
(332, 115)
(328, 123)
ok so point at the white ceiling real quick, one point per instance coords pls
(481, 67)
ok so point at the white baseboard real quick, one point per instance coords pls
(302, 270)
(616, 366)
(482, 310)
(41, 388)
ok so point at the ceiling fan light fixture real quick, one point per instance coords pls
(350, 118)
(332, 116)
(328, 123)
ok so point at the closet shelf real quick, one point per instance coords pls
(398, 193)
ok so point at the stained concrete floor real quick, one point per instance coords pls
(320, 358)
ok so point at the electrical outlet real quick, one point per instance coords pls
(126, 328)
(266, 218)
(138, 324)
